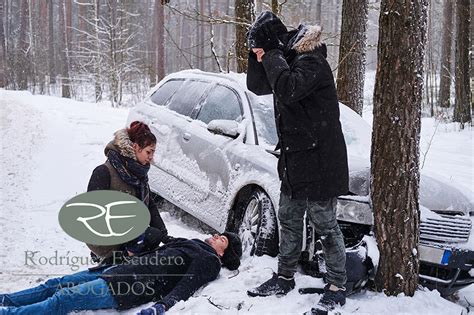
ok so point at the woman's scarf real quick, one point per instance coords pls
(132, 173)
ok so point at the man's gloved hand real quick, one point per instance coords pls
(157, 309)
(267, 39)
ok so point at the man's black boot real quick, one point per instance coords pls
(330, 300)
(277, 285)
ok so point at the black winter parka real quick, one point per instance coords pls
(313, 160)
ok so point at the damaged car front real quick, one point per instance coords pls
(446, 245)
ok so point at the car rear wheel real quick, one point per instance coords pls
(255, 221)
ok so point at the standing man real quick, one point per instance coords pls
(313, 162)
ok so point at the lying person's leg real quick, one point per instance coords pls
(92, 295)
(47, 289)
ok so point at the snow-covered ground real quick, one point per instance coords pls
(49, 147)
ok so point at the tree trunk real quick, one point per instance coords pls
(68, 9)
(154, 43)
(430, 64)
(226, 37)
(395, 143)
(185, 42)
(113, 72)
(3, 53)
(160, 35)
(243, 14)
(445, 80)
(97, 61)
(258, 6)
(275, 7)
(32, 47)
(22, 58)
(318, 12)
(352, 48)
(202, 40)
(196, 40)
(51, 63)
(42, 52)
(462, 109)
(65, 86)
(83, 26)
(151, 45)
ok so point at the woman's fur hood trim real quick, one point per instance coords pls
(310, 39)
(122, 144)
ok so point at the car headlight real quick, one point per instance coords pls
(354, 211)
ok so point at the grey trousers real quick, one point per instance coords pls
(323, 216)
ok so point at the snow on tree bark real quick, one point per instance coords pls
(352, 50)
(395, 143)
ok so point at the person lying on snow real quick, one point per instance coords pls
(167, 274)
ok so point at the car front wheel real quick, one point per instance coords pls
(255, 220)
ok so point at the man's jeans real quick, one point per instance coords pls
(323, 216)
(80, 291)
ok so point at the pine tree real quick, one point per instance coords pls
(352, 49)
(395, 143)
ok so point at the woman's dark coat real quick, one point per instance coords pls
(104, 177)
(313, 160)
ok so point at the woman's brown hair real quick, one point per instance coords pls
(141, 134)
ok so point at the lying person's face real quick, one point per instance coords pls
(219, 243)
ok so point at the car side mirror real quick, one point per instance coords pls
(229, 128)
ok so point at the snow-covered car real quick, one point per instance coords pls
(215, 160)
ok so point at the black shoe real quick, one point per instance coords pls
(330, 300)
(277, 285)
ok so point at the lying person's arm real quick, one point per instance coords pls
(201, 271)
(147, 241)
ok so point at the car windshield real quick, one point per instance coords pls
(262, 107)
(357, 133)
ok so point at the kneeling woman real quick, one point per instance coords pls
(129, 156)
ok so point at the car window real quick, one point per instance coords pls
(187, 97)
(263, 111)
(161, 96)
(221, 103)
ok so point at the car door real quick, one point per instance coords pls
(155, 113)
(180, 185)
(212, 153)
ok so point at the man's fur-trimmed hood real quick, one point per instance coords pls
(307, 39)
(121, 144)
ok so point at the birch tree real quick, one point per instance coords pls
(112, 51)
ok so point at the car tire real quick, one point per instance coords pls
(254, 219)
